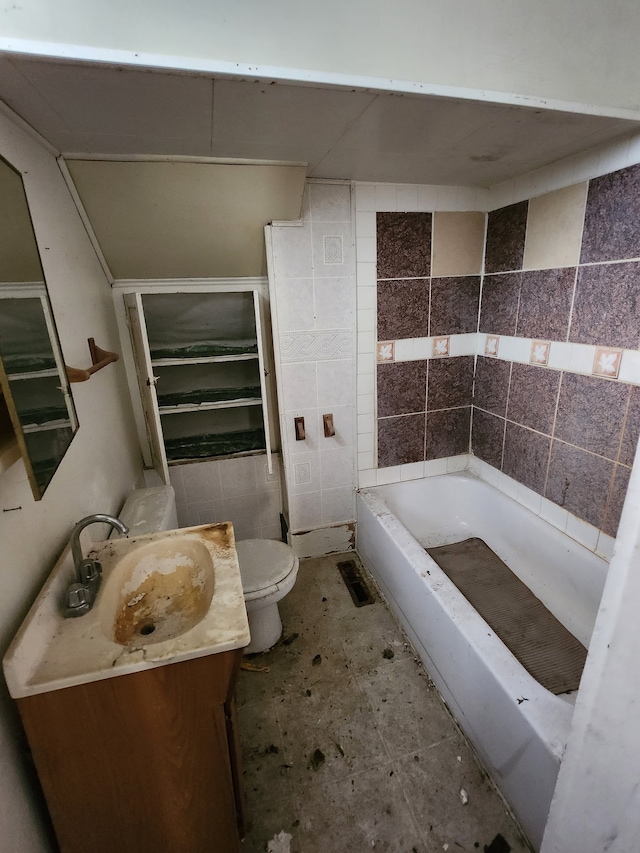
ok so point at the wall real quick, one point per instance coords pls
(98, 470)
(580, 51)
(312, 282)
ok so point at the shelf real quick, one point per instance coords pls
(47, 426)
(203, 353)
(208, 398)
(214, 444)
(211, 359)
(34, 374)
(19, 365)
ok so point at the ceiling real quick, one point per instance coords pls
(341, 133)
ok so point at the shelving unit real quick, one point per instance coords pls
(201, 373)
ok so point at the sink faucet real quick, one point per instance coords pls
(81, 594)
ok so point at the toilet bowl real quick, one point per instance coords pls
(268, 569)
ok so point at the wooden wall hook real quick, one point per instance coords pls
(99, 358)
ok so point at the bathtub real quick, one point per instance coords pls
(518, 728)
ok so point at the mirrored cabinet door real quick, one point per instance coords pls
(37, 415)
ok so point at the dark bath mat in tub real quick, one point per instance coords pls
(545, 648)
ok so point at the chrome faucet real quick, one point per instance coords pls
(81, 594)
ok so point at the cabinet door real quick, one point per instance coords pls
(146, 381)
(263, 379)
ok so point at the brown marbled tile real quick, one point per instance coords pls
(400, 440)
(402, 388)
(579, 482)
(631, 431)
(606, 308)
(591, 413)
(533, 394)
(616, 499)
(403, 245)
(506, 229)
(545, 303)
(403, 309)
(448, 432)
(449, 382)
(487, 437)
(491, 387)
(455, 303)
(499, 307)
(526, 456)
(612, 217)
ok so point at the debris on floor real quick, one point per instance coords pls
(317, 759)
(280, 843)
(388, 654)
(464, 797)
(498, 845)
(317, 660)
(286, 641)
(253, 667)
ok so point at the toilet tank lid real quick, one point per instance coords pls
(263, 562)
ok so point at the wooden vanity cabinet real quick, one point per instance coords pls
(142, 762)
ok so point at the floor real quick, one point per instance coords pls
(346, 742)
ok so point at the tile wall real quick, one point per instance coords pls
(238, 490)
(555, 412)
(313, 313)
(564, 423)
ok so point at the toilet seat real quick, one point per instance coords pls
(264, 564)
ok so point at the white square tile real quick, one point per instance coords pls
(582, 532)
(175, 478)
(412, 471)
(582, 356)
(303, 474)
(386, 197)
(404, 349)
(337, 468)
(554, 514)
(366, 320)
(330, 202)
(630, 367)
(366, 298)
(366, 250)
(338, 505)
(294, 304)
(367, 479)
(507, 485)
(267, 482)
(366, 460)
(447, 198)
(336, 383)
(238, 476)
(455, 464)
(366, 441)
(407, 197)
(605, 546)
(333, 250)
(365, 423)
(366, 363)
(202, 481)
(366, 274)
(366, 342)
(613, 157)
(521, 350)
(559, 355)
(292, 252)
(422, 347)
(344, 424)
(335, 302)
(305, 511)
(365, 223)
(299, 385)
(365, 196)
(435, 467)
(427, 198)
(245, 517)
(270, 507)
(462, 344)
(529, 499)
(365, 404)
(389, 475)
(366, 383)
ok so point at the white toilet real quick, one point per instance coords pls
(268, 569)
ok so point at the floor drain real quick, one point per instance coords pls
(356, 584)
(147, 629)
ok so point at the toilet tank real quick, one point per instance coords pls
(150, 510)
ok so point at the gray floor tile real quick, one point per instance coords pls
(347, 745)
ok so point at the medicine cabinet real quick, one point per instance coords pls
(202, 373)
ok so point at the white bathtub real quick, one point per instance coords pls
(518, 728)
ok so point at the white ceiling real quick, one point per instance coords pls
(340, 133)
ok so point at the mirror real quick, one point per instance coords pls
(36, 408)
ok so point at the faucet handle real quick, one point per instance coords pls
(89, 571)
(77, 598)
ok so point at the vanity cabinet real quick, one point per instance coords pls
(142, 762)
(202, 375)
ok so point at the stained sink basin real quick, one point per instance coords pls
(165, 597)
(157, 592)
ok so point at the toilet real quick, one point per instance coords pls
(268, 568)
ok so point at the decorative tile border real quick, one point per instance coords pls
(440, 346)
(316, 345)
(491, 345)
(385, 351)
(539, 353)
(607, 362)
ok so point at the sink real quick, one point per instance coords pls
(157, 592)
(165, 597)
